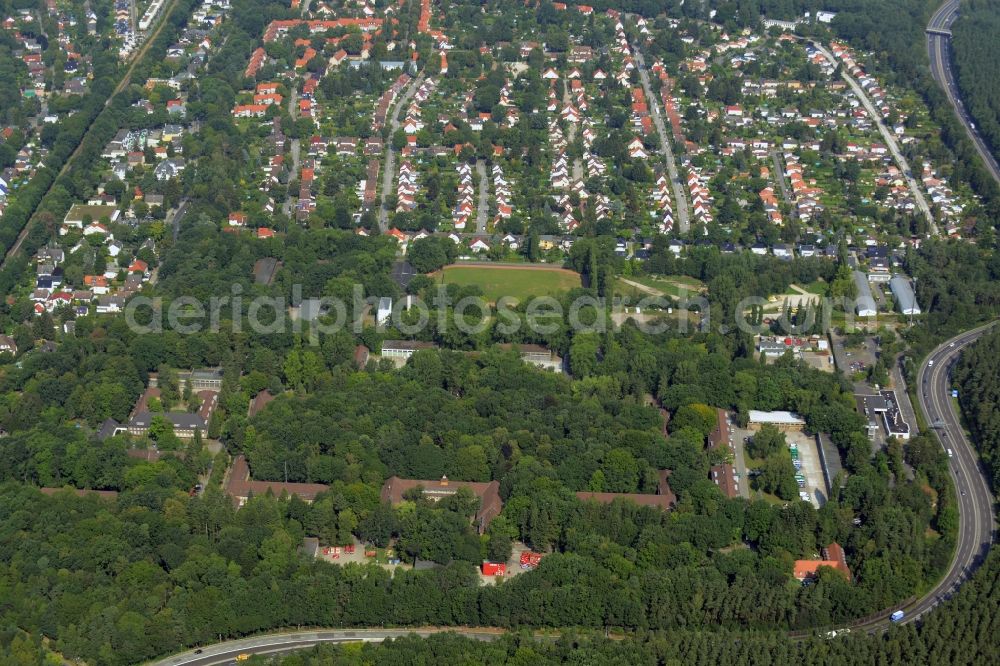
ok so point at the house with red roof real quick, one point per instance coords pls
(249, 110)
(833, 557)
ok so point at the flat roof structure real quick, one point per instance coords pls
(779, 418)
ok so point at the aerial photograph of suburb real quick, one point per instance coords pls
(499, 332)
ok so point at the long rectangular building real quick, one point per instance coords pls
(906, 300)
(240, 487)
(865, 304)
(664, 497)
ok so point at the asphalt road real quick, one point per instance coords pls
(781, 178)
(483, 208)
(274, 644)
(902, 397)
(653, 102)
(389, 169)
(939, 50)
(177, 217)
(975, 503)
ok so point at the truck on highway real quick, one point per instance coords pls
(897, 616)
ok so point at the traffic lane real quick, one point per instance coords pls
(968, 532)
(961, 462)
(976, 500)
(903, 395)
(942, 73)
(975, 506)
(227, 652)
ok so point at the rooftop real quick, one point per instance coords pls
(240, 486)
(488, 492)
(777, 418)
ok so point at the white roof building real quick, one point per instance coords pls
(778, 418)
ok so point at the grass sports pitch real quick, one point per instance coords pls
(515, 281)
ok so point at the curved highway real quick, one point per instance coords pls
(276, 644)
(939, 50)
(975, 502)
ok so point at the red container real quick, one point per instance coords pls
(494, 569)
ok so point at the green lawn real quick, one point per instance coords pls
(514, 281)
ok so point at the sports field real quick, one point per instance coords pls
(518, 282)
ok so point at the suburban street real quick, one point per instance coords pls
(483, 207)
(887, 136)
(665, 149)
(288, 207)
(389, 167)
(779, 175)
(122, 84)
(274, 644)
(577, 164)
(939, 51)
(178, 217)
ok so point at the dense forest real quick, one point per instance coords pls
(978, 379)
(958, 286)
(121, 580)
(962, 631)
(979, 24)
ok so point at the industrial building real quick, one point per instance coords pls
(865, 304)
(781, 420)
(906, 300)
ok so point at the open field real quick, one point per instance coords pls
(516, 281)
(674, 285)
(818, 287)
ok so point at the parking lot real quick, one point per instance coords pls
(810, 468)
(740, 436)
(819, 360)
(856, 358)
